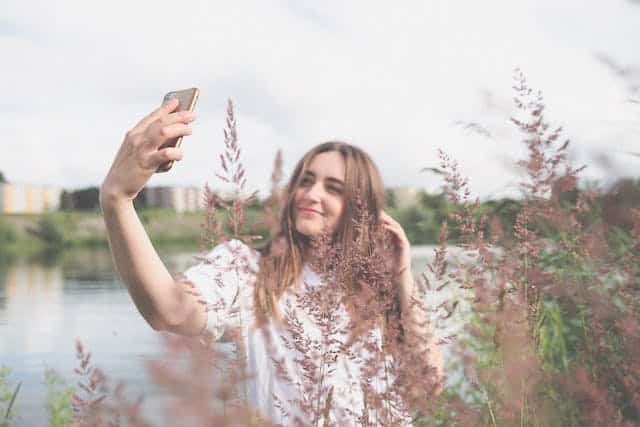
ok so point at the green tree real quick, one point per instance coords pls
(8, 233)
(390, 198)
(66, 201)
(51, 231)
(86, 198)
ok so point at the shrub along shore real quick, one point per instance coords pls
(55, 231)
(29, 234)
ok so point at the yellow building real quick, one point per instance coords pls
(30, 199)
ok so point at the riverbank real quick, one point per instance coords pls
(27, 235)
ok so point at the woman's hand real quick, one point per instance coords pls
(139, 156)
(414, 317)
(401, 249)
(401, 258)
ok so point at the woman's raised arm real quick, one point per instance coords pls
(162, 302)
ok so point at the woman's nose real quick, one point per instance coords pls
(314, 193)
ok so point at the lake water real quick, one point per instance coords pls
(46, 304)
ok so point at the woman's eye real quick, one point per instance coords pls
(305, 181)
(335, 190)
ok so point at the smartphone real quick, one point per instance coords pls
(187, 101)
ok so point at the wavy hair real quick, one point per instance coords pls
(281, 262)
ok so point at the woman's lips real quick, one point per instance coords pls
(308, 211)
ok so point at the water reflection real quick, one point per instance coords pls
(46, 302)
(32, 308)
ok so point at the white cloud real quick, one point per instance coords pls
(392, 80)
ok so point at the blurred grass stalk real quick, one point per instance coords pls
(7, 397)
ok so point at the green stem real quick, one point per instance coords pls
(11, 402)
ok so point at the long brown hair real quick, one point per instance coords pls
(281, 264)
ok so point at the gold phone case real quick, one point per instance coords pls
(187, 101)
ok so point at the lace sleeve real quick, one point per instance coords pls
(217, 278)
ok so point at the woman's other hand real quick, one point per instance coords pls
(401, 248)
(139, 156)
(414, 317)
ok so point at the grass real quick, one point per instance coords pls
(30, 235)
(8, 395)
(554, 333)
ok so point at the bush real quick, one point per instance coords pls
(8, 233)
(51, 231)
(556, 309)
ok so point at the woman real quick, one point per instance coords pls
(302, 359)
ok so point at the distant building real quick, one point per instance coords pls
(29, 199)
(181, 199)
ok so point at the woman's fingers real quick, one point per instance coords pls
(386, 219)
(156, 135)
(394, 227)
(391, 226)
(173, 131)
(163, 110)
(139, 155)
(395, 230)
(165, 115)
(168, 127)
(165, 155)
(184, 117)
(180, 117)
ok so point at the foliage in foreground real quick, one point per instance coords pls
(553, 332)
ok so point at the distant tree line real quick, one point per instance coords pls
(88, 199)
(422, 219)
(85, 199)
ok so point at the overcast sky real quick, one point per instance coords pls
(395, 81)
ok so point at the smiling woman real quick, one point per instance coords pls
(315, 353)
(329, 185)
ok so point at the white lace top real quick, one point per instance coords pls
(298, 365)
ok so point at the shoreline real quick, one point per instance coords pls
(25, 235)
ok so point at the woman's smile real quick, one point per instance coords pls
(319, 200)
(309, 211)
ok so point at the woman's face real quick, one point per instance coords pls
(319, 201)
